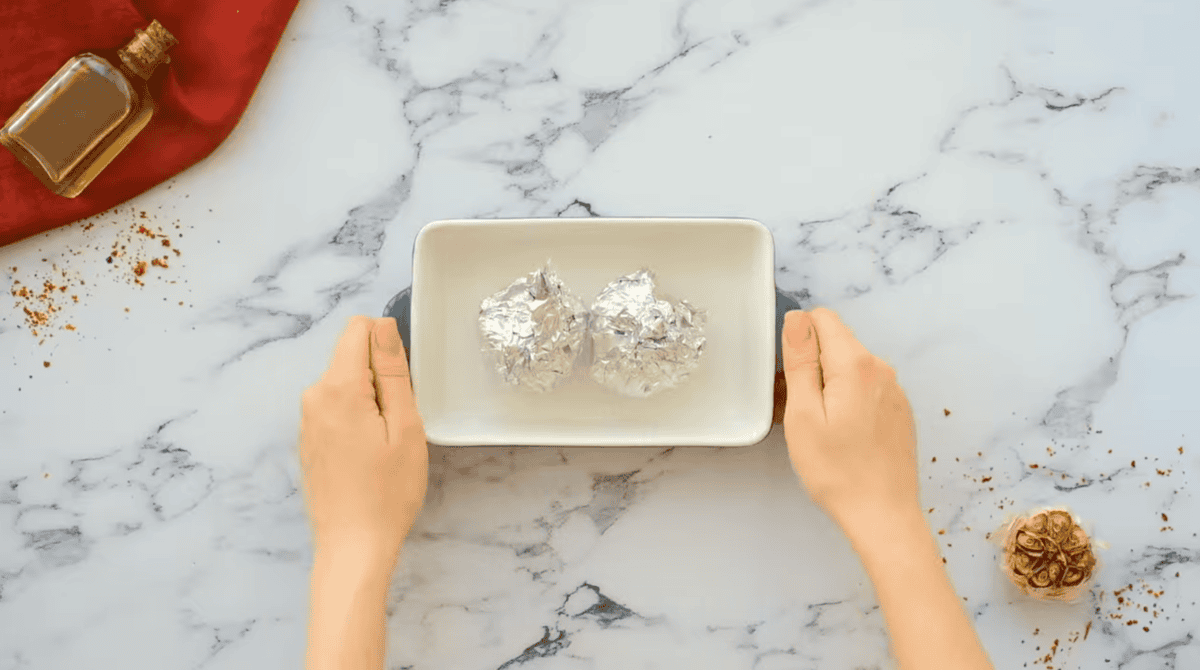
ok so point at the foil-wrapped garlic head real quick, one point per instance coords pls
(533, 331)
(643, 343)
(1048, 555)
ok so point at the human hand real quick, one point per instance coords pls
(848, 424)
(362, 444)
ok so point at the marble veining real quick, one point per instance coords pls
(999, 197)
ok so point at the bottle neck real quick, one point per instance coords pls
(148, 50)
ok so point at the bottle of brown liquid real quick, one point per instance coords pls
(88, 112)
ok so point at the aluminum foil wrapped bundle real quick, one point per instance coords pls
(643, 342)
(533, 330)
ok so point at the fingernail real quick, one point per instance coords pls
(387, 339)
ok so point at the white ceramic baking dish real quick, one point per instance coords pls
(723, 265)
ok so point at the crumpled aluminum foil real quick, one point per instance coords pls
(642, 342)
(534, 330)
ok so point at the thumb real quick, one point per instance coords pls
(802, 363)
(393, 386)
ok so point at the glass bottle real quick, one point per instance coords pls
(90, 110)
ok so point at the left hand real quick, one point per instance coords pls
(362, 444)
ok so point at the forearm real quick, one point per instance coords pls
(927, 625)
(347, 618)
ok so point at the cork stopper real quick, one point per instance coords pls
(148, 50)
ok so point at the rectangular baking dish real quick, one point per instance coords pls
(725, 266)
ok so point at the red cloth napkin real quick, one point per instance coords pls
(224, 47)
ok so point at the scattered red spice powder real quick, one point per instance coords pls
(126, 252)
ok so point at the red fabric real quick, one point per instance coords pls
(224, 47)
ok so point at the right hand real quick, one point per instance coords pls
(848, 424)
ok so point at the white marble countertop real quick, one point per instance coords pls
(1000, 196)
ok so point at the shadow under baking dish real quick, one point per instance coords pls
(725, 266)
